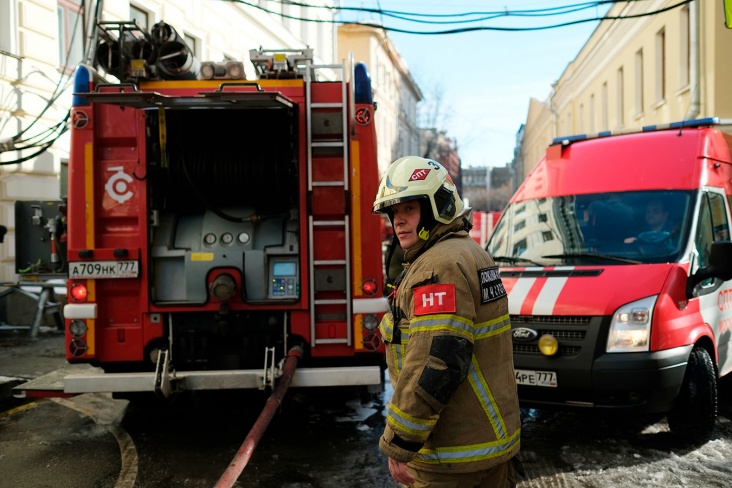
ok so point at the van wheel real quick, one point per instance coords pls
(695, 410)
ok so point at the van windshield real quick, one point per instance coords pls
(592, 229)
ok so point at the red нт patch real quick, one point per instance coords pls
(439, 298)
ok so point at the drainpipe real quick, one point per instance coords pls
(694, 56)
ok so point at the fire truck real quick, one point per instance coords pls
(214, 221)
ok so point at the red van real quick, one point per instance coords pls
(616, 255)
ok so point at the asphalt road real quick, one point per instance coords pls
(318, 439)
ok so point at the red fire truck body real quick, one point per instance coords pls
(214, 224)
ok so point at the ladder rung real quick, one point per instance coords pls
(331, 341)
(325, 262)
(335, 301)
(328, 183)
(328, 144)
(329, 222)
(326, 105)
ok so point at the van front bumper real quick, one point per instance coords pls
(646, 381)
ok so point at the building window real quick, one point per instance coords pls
(547, 236)
(520, 247)
(620, 98)
(592, 114)
(660, 65)
(603, 109)
(684, 48)
(141, 17)
(581, 120)
(8, 27)
(639, 82)
(70, 33)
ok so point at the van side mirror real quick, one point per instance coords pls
(720, 266)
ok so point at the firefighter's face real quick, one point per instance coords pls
(406, 221)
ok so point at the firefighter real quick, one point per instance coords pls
(453, 420)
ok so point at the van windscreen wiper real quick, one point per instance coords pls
(588, 255)
(515, 260)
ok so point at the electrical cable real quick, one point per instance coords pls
(466, 29)
(46, 138)
(65, 79)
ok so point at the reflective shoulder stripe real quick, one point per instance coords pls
(443, 322)
(493, 327)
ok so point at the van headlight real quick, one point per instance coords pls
(630, 329)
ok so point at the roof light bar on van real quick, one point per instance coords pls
(683, 124)
(565, 140)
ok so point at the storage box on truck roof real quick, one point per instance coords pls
(616, 256)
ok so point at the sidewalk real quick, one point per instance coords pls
(23, 359)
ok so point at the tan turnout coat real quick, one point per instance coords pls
(454, 407)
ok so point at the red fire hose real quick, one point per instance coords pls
(242, 456)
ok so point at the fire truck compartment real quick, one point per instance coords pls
(225, 193)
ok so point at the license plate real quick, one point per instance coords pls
(103, 269)
(536, 378)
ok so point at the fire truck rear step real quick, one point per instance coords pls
(218, 380)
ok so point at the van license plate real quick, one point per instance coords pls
(103, 269)
(536, 378)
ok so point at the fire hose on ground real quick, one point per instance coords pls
(242, 456)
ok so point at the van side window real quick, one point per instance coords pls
(713, 225)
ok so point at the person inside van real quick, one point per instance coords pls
(657, 220)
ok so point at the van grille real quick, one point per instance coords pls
(550, 319)
(570, 331)
(570, 335)
(566, 351)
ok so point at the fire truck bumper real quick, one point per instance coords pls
(216, 380)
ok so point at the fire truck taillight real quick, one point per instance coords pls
(79, 292)
(77, 328)
(370, 287)
(78, 348)
(370, 322)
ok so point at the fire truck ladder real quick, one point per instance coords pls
(330, 278)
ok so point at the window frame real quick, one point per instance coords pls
(67, 37)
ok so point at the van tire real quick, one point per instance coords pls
(695, 410)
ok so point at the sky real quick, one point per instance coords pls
(484, 79)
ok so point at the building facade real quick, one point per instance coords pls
(395, 91)
(41, 42)
(652, 66)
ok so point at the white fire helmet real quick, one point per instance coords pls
(411, 178)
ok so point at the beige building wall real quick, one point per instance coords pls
(395, 92)
(31, 77)
(648, 70)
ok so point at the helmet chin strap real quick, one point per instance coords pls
(426, 220)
